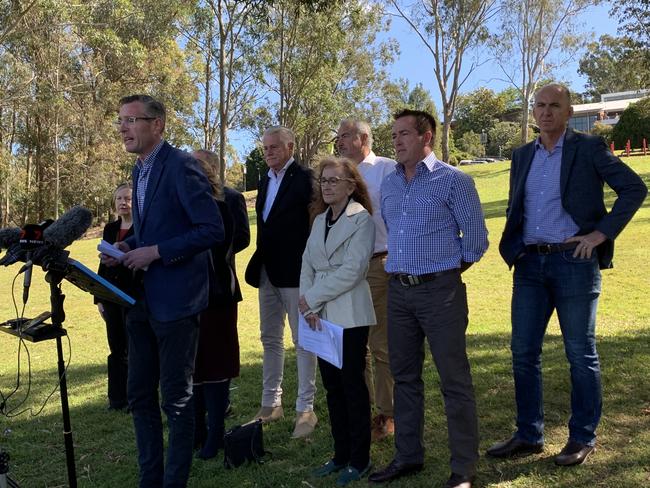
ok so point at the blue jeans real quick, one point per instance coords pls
(571, 286)
(162, 353)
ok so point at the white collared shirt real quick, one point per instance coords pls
(275, 180)
(374, 169)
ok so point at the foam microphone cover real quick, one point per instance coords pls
(69, 227)
(9, 236)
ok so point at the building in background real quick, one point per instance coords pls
(607, 111)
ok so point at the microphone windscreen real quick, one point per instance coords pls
(69, 227)
(14, 254)
(9, 236)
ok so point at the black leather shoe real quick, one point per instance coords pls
(573, 453)
(393, 471)
(456, 479)
(514, 447)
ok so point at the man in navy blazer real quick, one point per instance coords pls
(558, 235)
(176, 221)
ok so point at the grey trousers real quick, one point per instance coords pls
(436, 310)
(275, 305)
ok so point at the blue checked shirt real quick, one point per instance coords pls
(143, 176)
(545, 220)
(434, 221)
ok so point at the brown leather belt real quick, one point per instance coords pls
(379, 254)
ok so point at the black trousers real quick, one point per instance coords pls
(348, 401)
(435, 310)
(115, 318)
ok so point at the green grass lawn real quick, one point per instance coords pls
(104, 442)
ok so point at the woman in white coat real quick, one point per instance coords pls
(333, 286)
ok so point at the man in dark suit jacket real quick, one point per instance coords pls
(558, 235)
(282, 229)
(176, 221)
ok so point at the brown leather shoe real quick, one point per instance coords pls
(573, 453)
(382, 426)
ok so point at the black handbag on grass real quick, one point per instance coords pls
(244, 443)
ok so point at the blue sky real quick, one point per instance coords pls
(415, 64)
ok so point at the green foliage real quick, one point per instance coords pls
(319, 67)
(615, 64)
(503, 138)
(470, 143)
(633, 19)
(634, 124)
(235, 177)
(62, 72)
(478, 111)
(398, 96)
(603, 130)
(255, 168)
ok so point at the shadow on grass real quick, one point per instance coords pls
(495, 209)
(489, 173)
(106, 455)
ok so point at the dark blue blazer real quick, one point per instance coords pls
(182, 218)
(587, 164)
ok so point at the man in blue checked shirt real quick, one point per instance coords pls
(558, 236)
(436, 230)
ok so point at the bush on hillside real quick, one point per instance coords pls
(603, 130)
(634, 124)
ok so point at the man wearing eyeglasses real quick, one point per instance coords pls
(436, 230)
(354, 141)
(282, 207)
(176, 221)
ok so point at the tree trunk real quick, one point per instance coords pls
(446, 130)
(223, 105)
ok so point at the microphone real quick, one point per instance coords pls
(27, 280)
(71, 226)
(9, 236)
(14, 254)
(68, 228)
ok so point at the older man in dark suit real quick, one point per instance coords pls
(558, 235)
(176, 221)
(282, 230)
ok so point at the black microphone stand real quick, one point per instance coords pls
(54, 278)
(41, 331)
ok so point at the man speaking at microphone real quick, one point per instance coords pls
(175, 221)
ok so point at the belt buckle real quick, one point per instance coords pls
(544, 249)
(408, 280)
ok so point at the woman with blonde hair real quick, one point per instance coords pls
(333, 286)
(115, 315)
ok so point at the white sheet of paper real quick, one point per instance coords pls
(327, 344)
(108, 249)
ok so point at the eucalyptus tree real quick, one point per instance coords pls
(220, 51)
(64, 67)
(319, 62)
(535, 37)
(450, 30)
(614, 64)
